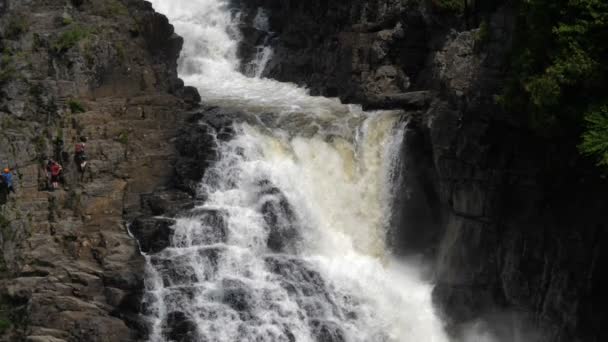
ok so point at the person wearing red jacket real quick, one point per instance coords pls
(55, 170)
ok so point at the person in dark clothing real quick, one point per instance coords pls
(58, 149)
(79, 154)
(3, 191)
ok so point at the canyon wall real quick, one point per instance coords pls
(513, 223)
(104, 69)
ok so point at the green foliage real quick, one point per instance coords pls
(595, 138)
(16, 26)
(559, 71)
(69, 39)
(482, 35)
(76, 107)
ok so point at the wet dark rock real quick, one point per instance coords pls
(190, 95)
(180, 328)
(303, 283)
(168, 203)
(413, 101)
(175, 270)
(325, 331)
(214, 228)
(153, 234)
(346, 49)
(197, 144)
(237, 295)
(417, 215)
(279, 217)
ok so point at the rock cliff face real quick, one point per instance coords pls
(104, 69)
(514, 224)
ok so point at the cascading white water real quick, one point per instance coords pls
(290, 243)
(264, 53)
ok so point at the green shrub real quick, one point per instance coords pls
(69, 39)
(66, 20)
(595, 138)
(558, 71)
(76, 107)
(482, 36)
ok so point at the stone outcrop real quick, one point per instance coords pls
(104, 69)
(514, 223)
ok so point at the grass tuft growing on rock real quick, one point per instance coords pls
(76, 107)
(123, 138)
(69, 39)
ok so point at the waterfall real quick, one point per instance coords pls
(290, 242)
(264, 53)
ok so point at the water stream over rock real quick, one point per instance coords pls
(289, 244)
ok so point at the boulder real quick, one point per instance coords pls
(153, 234)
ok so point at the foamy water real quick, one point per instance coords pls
(319, 173)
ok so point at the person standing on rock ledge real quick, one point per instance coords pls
(55, 170)
(7, 176)
(79, 155)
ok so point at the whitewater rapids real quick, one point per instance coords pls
(290, 243)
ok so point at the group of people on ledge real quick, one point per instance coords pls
(53, 169)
